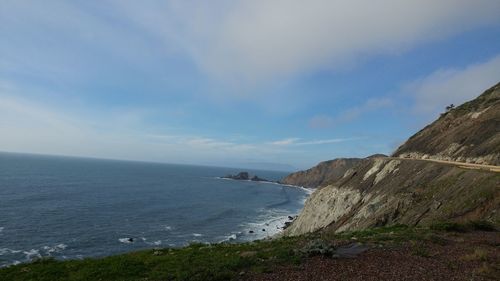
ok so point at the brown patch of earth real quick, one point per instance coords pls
(448, 256)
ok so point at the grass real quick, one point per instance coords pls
(477, 255)
(390, 234)
(421, 251)
(219, 261)
(195, 262)
(487, 270)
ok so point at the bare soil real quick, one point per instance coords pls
(450, 256)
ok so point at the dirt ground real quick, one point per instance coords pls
(450, 256)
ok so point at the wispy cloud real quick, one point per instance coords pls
(251, 41)
(327, 141)
(287, 141)
(452, 85)
(243, 42)
(346, 116)
(300, 142)
(27, 126)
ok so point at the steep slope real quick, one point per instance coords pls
(468, 133)
(381, 191)
(408, 189)
(322, 174)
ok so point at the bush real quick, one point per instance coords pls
(318, 247)
(464, 227)
(482, 225)
(449, 227)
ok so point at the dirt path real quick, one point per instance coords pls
(491, 168)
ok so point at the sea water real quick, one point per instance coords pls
(73, 208)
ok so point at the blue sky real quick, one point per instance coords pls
(237, 83)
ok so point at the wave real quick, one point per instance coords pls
(306, 189)
(55, 249)
(4, 251)
(154, 243)
(30, 255)
(1, 229)
(126, 240)
(231, 237)
(33, 253)
(268, 224)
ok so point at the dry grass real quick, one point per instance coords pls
(478, 255)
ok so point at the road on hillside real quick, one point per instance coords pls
(491, 168)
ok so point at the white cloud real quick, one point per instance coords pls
(326, 121)
(287, 141)
(236, 42)
(298, 142)
(252, 41)
(31, 127)
(327, 141)
(453, 85)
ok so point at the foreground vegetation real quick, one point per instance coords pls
(223, 261)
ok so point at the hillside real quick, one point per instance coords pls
(322, 174)
(388, 191)
(408, 188)
(468, 133)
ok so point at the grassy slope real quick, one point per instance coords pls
(213, 262)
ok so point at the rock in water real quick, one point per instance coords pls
(239, 176)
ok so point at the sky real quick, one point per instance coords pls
(270, 84)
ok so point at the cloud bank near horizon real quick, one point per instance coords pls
(37, 128)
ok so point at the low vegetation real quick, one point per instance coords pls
(229, 261)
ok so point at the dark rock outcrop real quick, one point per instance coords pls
(244, 176)
(239, 176)
(256, 178)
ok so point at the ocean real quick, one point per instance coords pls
(74, 208)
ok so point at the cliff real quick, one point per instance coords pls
(469, 133)
(322, 174)
(387, 191)
(408, 188)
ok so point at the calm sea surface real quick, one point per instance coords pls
(72, 208)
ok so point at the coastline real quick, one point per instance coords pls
(309, 191)
(275, 225)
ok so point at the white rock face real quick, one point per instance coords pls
(388, 169)
(324, 207)
(375, 168)
(475, 115)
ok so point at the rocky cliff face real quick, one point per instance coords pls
(321, 174)
(381, 191)
(469, 133)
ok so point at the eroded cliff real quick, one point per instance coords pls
(409, 189)
(382, 191)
